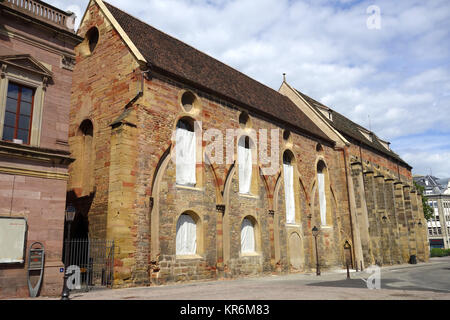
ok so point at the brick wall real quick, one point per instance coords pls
(31, 190)
(136, 201)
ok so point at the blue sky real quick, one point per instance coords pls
(398, 75)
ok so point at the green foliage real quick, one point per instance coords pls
(438, 252)
(427, 209)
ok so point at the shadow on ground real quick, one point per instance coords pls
(390, 284)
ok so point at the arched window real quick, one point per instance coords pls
(92, 36)
(186, 238)
(185, 153)
(245, 165)
(288, 171)
(321, 168)
(86, 132)
(248, 244)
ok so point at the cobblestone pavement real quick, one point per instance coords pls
(422, 281)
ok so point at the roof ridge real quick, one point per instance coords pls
(334, 111)
(374, 142)
(190, 46)
(194, 67)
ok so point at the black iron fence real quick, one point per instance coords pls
(95, 258)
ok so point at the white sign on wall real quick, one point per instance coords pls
(12, 239)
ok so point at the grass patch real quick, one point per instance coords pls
(438, 252)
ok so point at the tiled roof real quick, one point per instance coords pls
(351, 129)
(178, 59)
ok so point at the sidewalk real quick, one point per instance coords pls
(331, 285)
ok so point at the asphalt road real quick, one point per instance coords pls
(434, 276)
(423, 281)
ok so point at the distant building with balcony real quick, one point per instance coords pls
(438, 193)
(37, 56)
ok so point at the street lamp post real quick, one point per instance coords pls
(315, 233)
(347, 248)
(70, 216)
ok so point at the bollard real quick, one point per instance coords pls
(362, 267)
(348, 272)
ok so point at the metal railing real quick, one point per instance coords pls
(42, 11)
(95, 258)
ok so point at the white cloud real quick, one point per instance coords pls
(399, 75)
(426, 162)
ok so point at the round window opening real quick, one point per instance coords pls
(188, 100)
(244, 119)
(92, 36)
(286, 135)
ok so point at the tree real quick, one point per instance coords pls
(427, 209)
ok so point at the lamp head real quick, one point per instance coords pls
(70, 213)
(347, 245)
(315, 231)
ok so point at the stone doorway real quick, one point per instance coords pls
(296, 252)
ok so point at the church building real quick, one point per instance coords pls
(196, 171)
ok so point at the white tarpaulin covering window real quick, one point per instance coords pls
(245, 167)
(289, 192)
(247, 237)
(185, 157)
(186, 239)
(322, 198)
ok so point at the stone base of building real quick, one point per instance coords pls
(14, 281)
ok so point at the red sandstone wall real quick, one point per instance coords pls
(55, 118)
(103, 84)
(42, 203)
(382, 161)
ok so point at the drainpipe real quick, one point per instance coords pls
(145, 74)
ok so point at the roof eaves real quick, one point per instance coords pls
(138, 55)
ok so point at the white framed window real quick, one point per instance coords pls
(322, 193)
(288, 172)
(248, 244)
(245, 165)
(22, 100)
(185, 154)
(186, 237)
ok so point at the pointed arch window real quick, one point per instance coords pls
(245, 165)
(248, 236)
(288, 171)
(185, 153)
(322, 195)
